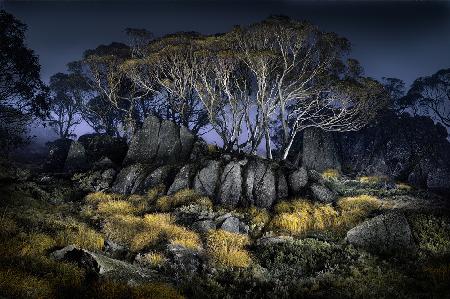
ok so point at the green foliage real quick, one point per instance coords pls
(432, 233)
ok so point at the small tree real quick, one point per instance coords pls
(68, 92)
(23, 96)
(431, 96)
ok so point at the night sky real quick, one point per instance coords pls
(390, 39)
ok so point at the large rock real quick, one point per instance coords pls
(160, 142)
(206, 181)
(99, 146)
(129, 179)
(76, 158)
(230, 189)
(260, 184)
(298, 180)
(322, 193)
(282, 185)
(103, 266)
(162, 175)
(183, 180)
(57, 154)
(386, 233)
(320, 150)
(405, 148)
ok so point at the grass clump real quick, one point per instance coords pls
(299, 217)
(151, 290)
(372, 180)
(227, 249)
(115, 207)
(82, 236)
(153, 259)
(98, 197)
(331, 174)
(181, 198)
(149, 231)
(355, 209)
(257, 220)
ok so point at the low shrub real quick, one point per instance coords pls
(227, 249)
(432, 234)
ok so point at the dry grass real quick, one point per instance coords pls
(403, 186)
(182, 197)
(356, 208)
(82, 236)
(151, 290)
(149, 231)
(98, 197)
(115, 207)
(372, 180)
(153, 259)
(258, 217)
(227, 249)
(331, 174)
(19, 284)
(299, 217)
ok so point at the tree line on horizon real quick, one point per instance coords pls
(257, 85)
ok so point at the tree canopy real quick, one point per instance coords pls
(23, 95)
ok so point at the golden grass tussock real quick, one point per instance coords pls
(153, 259)
(98, 197)
(82, 236)
(403, 186)
(331, 174)
(140, 203)
(19, 284)
(148, 231)
(372, 180)
(257, 216)
(228, 249)
(182, 197)
(115, 207)
(150, 290)
(300, 217)
(355, 209)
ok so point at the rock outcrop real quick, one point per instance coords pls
(385, 233)
(160, 142)
(206, 181)
(57, 154)
(298, 180)
(260, 184)
(103, 266)
(320, 150)
(404, 148)
(76, 158)
(99, 146)
(230, 187)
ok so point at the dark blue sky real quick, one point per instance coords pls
(395, 39)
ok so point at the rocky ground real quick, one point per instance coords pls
(374, 238)
(169, 216)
